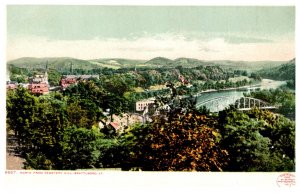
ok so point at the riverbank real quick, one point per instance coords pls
(264, 84)
(229, 89)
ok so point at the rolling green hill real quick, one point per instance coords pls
(251, 66)
(192, 62)
(159, 61)
(60, 64)
(285, 71)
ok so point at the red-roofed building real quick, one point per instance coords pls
(183, 80)
(68, 80)
(38, 88)
(65, 82)
(11, 85)
(114, 125)
(39, 83)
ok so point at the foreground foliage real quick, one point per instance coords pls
(258, 140)
(184, 142)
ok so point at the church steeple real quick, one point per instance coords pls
(71, 67)
(46, 73)
(47, 66)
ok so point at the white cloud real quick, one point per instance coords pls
(146, 47)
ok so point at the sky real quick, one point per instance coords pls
(240, 33)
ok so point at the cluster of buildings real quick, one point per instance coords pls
(38, 84)
(68, 80)
(119, 123)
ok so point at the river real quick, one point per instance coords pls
(229, 96)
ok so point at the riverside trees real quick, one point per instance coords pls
(282, 97)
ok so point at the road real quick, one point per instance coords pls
(13, 160)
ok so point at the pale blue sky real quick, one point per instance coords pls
(129, 30)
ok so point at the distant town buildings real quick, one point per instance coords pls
(119, 123)
(141, 105)
(38, 88)
(183, 80)
(39, 83)
(39, 78)
(10, 85)
(68, 80)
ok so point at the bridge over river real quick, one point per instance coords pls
(217, 104)
(218, 100)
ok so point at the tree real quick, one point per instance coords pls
(244, 73)
(38, 123)
(22, 108)
(118, 84)
(257, 140)
(54, 77)
(19, 78)
(281, 132)
(181, 140)
(281, 97)
(247, 148)
(117, 104)
(93, 98)
(83, 113)
(255, 76)
(79, 148)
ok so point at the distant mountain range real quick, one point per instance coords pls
(64, 63)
